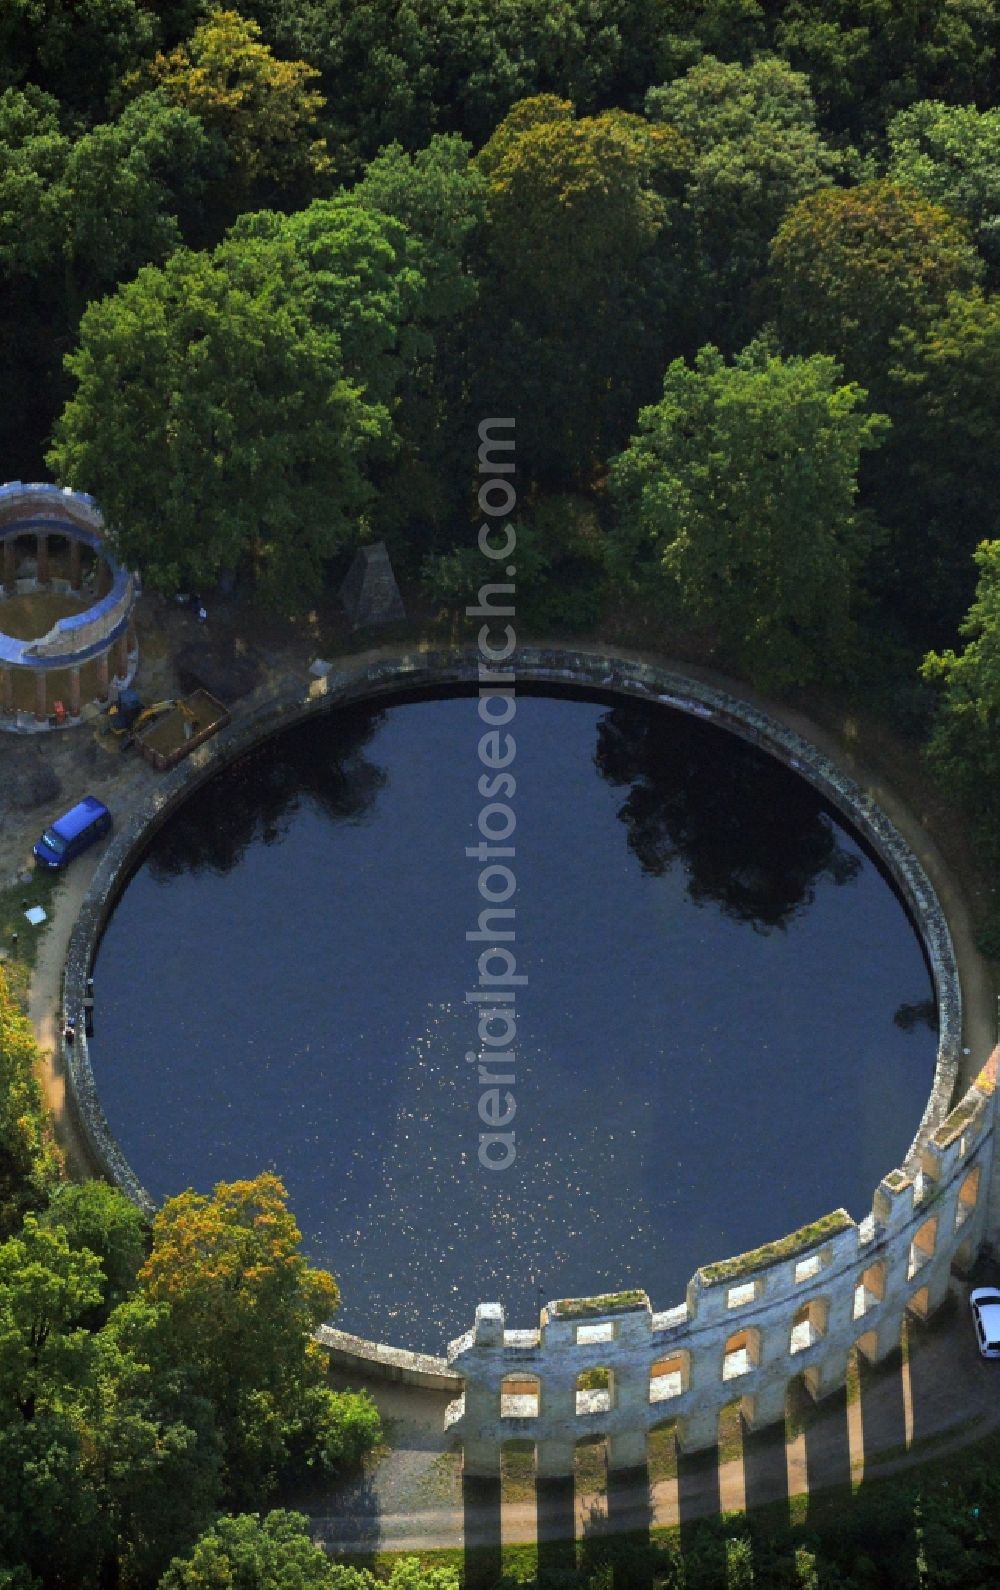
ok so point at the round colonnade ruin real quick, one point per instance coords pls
(92, 650)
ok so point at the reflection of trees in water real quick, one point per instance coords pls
(253, 800)
(923, 1014)
(751, 835)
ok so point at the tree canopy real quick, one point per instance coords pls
(223, 412)
(850, 266)
(738, 493)
(951, 155)
(755, 150)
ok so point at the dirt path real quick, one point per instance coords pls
(44, 1002)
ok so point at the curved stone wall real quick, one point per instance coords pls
(746, 1328)
(795, 1305)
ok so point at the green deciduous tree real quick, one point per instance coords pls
(405, 69)
(100, 1219)
(153, 1456)
(867, 58)
(851, 266)
(217, 417)
(965, 745)
(965, 742)
(738, 493)
(573, 205)
(28, 1160)
(49, 1515)
(74, 49)
(243, 1301)
(755, 152)
(439, 194)
(264, 109)
(274, 1553)
(241, 1306)
(951, 154)
(76, 216)
(573, 315)
(33, 154)
(46, 1288)
(939, 487)
(127, 193)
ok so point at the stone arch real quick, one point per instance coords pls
(870, 1290)
(968, 1196)
(518, 1464)
(809, 1324)
(922, 1246)
(918, 1303)
(741, 1353)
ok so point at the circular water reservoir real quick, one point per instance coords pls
(727, 1027)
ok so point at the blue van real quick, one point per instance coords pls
(73, 833)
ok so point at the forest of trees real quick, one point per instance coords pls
(734, 265)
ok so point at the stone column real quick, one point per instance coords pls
(8, 690)
(121, 663)
(74, 692)
(41, 697)
(103, 678)
(768, 1403)
(554, 1459)
(627, 1449)
(829, 1374)
(42, 557)
(627, 1443)
(936, 1276)
(75, 564)
(481, 1458)
(10, 563)
(698, 1431)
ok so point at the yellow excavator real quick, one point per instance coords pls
(122, 722)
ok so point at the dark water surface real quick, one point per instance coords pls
(725, 1032)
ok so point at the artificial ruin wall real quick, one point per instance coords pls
(748, 1325)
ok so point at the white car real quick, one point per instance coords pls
(985, 1305)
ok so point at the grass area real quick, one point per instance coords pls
(605, 1303)
(590, 1466)
(925, 1443)
(441, 1483)
(517, 1471)
(28, 617)
(778, 1521)
(662, 1452)
(21, 956)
